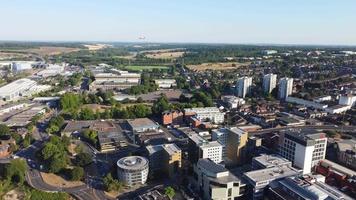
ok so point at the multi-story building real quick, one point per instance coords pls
(348, 99)
(201, 148)
(267, 169)
(211, 114)
(285, 88)
(174, 117)
(269, 82)
(117, 80)
(346, 153)
(133, 170)
(304, 149)
(233, 102)
(166, 158)
(216, 182)
(244, 85)
(234, 142)
(304, 188)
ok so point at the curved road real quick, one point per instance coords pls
(83, 192)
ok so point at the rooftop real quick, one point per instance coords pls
(270, 174)
(132, 163)
(269, 161)
(142, 123)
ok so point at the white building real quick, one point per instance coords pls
(304, 149)
(132, 170)
(322, 98)
(269, 82)
(117, 80)
(306, 103)
(269, 52)
(51, 70)
(349, 100)
(285, 88)
(232, 101)
(166, 83)
(244, 85)
(212, 150)
(21, 66)
(216, 182)
(212, 114)
(16, 89)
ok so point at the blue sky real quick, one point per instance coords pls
(211, 21)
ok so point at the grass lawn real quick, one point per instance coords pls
(140, 68)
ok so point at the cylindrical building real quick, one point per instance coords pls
(132, 170)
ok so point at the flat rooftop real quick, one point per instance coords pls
(269, 161)
(269, 174)
(142, 123)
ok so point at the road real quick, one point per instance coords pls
(323, 127)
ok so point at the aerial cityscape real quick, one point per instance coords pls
(156, 100)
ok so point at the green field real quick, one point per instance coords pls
(140, 68)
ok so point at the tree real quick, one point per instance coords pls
(54, 153)
(160, 105)
(4, 129)
(91, 135)
(87, 114)
(111, 184)
(83, 159)
(15, 171)
(70, 101)
(169, 191)
(76, 174)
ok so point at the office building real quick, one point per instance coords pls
(304, 149)
(132, 170)
(165, 159)
(269, 82)
(348, 99)
(304, 188)
(267, 169)
(244, 85)
(21, 66)
(234, 142)
(201, 148)
(115, 80)
(285, 88)
(211, 114)
(140, 125)
(216, 182)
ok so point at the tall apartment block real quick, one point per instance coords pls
(285, 88)
(269, 82)
(244, 85)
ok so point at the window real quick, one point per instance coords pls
(229, 192)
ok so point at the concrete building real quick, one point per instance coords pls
(216, 182)
(234, 142)
(304, 188)
(51, 70)
(166, 158)
(140, 125)
(166, 83)
(348, 99)
(201, 148)
(117, 80)
(244, 85)
(16, 89)
(269, 52)
(21, 66)
(304, 149)
(269, 82)
(233, 102)
(133, 170)
(306, 103)
(211, 114)
(346, 153)
(285, 88)
(268, 168)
